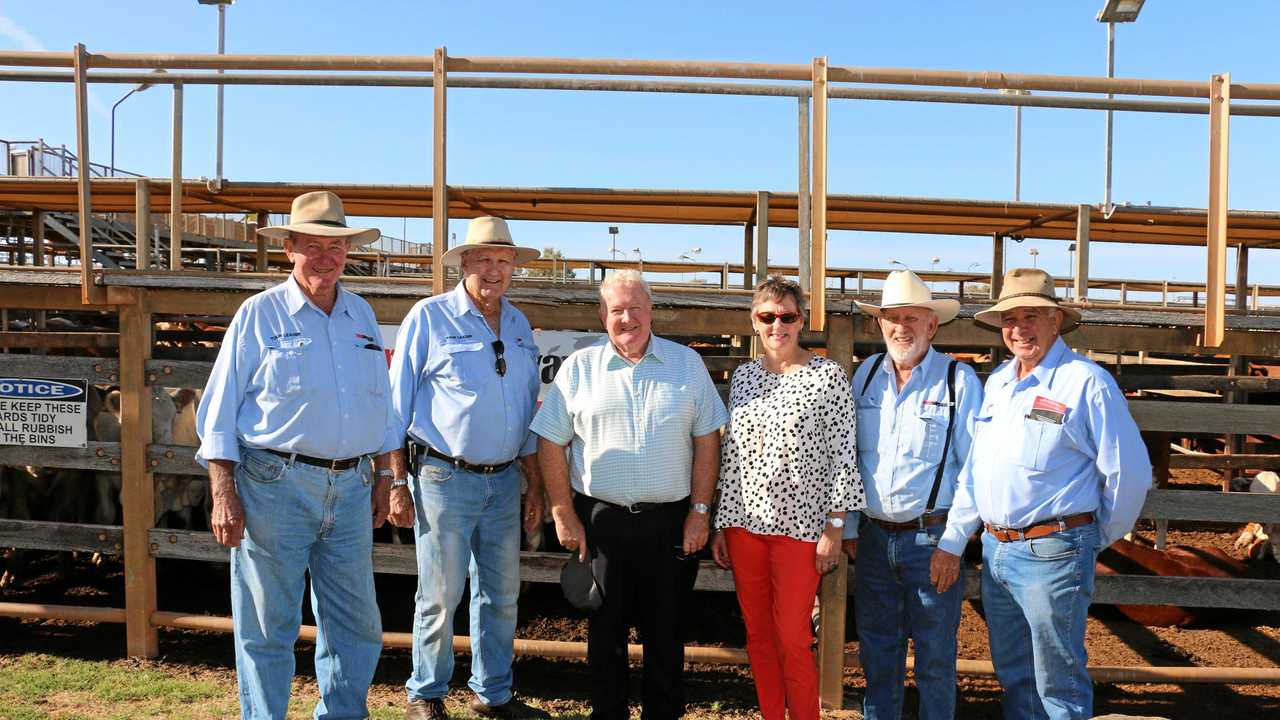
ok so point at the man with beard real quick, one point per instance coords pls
(915, 419)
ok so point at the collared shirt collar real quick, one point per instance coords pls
(1042, 372)
(615, 360)
(460, 303)
(297, 299)
(890, 368)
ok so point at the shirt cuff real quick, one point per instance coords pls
(953, 540)
(218, 446)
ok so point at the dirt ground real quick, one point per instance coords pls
(1224, 639)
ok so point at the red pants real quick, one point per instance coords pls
(776, 583)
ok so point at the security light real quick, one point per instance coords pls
(1119, 11)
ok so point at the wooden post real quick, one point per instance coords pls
(748, 267)
(1242, 277)
(439, 191)
(997, 265)
(1080, 272)
(762, 236)
(137, 495)
(142, 224)
(89, 292)
(818, 238)
(260, 254)
(724, 277)
(37, 237)
(175, 187)
(834, 591)
(1216, 269)
(802, 199)
(1164, 294)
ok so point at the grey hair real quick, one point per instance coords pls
(625, 277)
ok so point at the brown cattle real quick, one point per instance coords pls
(1130, 558)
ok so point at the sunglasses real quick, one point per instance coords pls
(500, 363)
(767, 318)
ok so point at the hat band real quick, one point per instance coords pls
(327, 223)
(1028, 294)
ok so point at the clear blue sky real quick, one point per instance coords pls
(706, 142)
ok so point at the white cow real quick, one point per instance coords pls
(1259, 539)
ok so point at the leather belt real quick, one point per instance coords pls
(919, 523)
(463, 464)
(331, 465)
(1039, 530)
(636, 508)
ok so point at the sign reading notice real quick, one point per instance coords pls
(44, 412)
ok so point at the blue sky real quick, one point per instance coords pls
(706, 142)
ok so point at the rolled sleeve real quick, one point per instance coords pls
(553, 421)
(406, 367)
(962, 519)
(711, 413)
(1122, 461)
(219, 409)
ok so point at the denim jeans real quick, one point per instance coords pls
(465, 525)
(1036, 595)
(301, 518)
(893, 601)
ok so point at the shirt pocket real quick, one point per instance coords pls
(283, 376)
(929, 434)
(868, 425)
(1039, 440)
(466, 364)
(373, 368)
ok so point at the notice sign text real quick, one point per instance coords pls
(43, 412)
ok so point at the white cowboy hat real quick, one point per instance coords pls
(320, 213)
(1026, 287)
(487, 231)
(904, 288)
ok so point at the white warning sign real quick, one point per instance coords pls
(44, 412)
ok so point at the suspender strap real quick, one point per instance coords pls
(875, 365)
(946, 444)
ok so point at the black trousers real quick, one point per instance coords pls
(647, 581)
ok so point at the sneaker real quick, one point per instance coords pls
(513, 708)
(420, 709)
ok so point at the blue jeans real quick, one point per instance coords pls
(301, 518)
(465, 525)
(1036, 596)
(893, 601)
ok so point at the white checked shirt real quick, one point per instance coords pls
(630, 428)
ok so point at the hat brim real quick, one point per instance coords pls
(578, 582)
(990, 318)
(946, 310)
(357, 236)
(453, 256)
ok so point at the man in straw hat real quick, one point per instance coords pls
(297, 403)
(915, 410)
(464, 382)
(1057, 471)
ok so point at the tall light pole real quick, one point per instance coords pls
(1071, 267)
(1017, 142)
(137, 89)
(1033, 252)
(1113, 12)
(687, 256)
(613, 242)
(222, 37)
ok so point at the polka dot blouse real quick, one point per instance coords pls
(788, 457)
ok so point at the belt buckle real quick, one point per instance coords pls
(920, 522)
(634, 509)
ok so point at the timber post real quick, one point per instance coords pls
(834, 591)
(137, 494)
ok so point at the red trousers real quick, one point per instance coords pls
(776, 583)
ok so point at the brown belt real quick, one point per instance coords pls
(919, 523)
(326, 463)
(1039, 530)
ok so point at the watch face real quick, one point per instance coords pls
(836, 522)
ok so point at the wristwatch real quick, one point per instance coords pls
(402, 482)
(836, 522)
(700, 508)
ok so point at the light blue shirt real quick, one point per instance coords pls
(901, 434)
(630, 427)
(1022, 471)
(291, 378)
(445, 385)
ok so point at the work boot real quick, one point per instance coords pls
(430, 709)
(513, 708)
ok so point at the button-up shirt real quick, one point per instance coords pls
(630, 426)
(901, 434)
(292, 378)
(1058, 442)
(445, 385)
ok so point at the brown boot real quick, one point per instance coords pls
(513, 708)
(419, 709)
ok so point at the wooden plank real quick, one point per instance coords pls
(1234, 593)
(818, 241)
(1142, 380)
(1080, 291)
(142, 224)
(762, 237)
(805, 268)
(81, 340)
(178, 373)
(1188, 417)
(97, 456)
(38, 297)
(173, 460)
(439, 189)
(997, 266)
(1219, 151)
(1211, 506)
(137, 495)
(73, 537)
(98, 371)
(1239, 461)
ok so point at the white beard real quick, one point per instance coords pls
(916, 352)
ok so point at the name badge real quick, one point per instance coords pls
(1045, 410)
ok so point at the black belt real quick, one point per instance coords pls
(635, 508)
(919, 523)
(345, 464)
(463, 464)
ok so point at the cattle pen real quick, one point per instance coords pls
(130, 295)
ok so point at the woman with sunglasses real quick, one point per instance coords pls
(788, 474)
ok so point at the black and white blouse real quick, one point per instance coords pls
(789, 456)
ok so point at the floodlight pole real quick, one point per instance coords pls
(1107, 207)
(222, 46)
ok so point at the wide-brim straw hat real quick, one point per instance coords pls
(904, 288)
(320, 213)
(488, 232)
(1026, 287)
